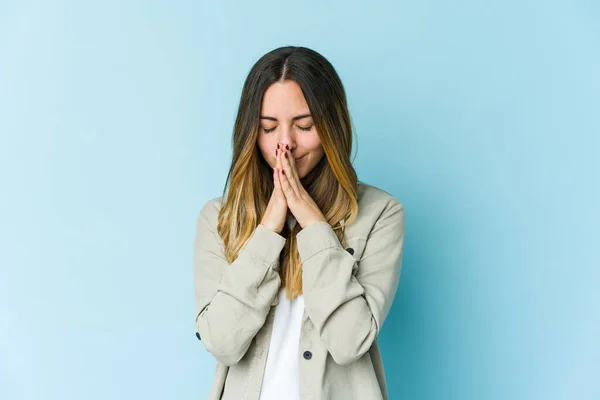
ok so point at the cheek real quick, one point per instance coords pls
(265, 147)
(315, 155)
(317, 149)
(312, 143)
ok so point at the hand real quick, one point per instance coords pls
(300, 203)
(276, 214)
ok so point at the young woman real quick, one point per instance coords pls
(297, 264)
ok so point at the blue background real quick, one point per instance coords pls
(481, 117)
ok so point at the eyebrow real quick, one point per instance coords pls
(293, 119)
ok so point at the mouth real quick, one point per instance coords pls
(298, 159)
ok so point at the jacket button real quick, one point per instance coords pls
(307, 355)
(198, 336)
(350, 250)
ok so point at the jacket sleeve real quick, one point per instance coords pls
(348, 310)
(233, 300)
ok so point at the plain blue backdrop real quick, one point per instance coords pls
(481, 117)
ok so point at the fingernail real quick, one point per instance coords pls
(283, 172)
(277, 145)
(276, 152)
(285, 155)
(286, 147)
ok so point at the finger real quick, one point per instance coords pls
(278, 169)
(294, 167)
(289, 170)
(281, 172)
(286, 188)
(285, 179)
(276, 182)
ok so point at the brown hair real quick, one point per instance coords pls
(332, 183)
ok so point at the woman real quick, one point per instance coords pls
(297, 264)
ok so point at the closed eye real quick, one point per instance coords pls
(302, 128)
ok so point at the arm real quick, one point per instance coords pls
(233, 300)
(348, 310)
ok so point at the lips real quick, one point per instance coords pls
(298, 159)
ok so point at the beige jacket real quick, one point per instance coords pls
(348, 291)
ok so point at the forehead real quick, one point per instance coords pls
(283, 100)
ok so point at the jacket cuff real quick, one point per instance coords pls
(314, 238)
(266, 245)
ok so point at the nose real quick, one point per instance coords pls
(290, 147)
(286, 137)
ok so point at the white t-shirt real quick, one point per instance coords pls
(280, 380)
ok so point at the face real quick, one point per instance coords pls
(285, 119)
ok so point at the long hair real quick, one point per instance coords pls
(332, 183)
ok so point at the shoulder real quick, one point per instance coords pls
(210, 210)
(376, 207)
(370, 196)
